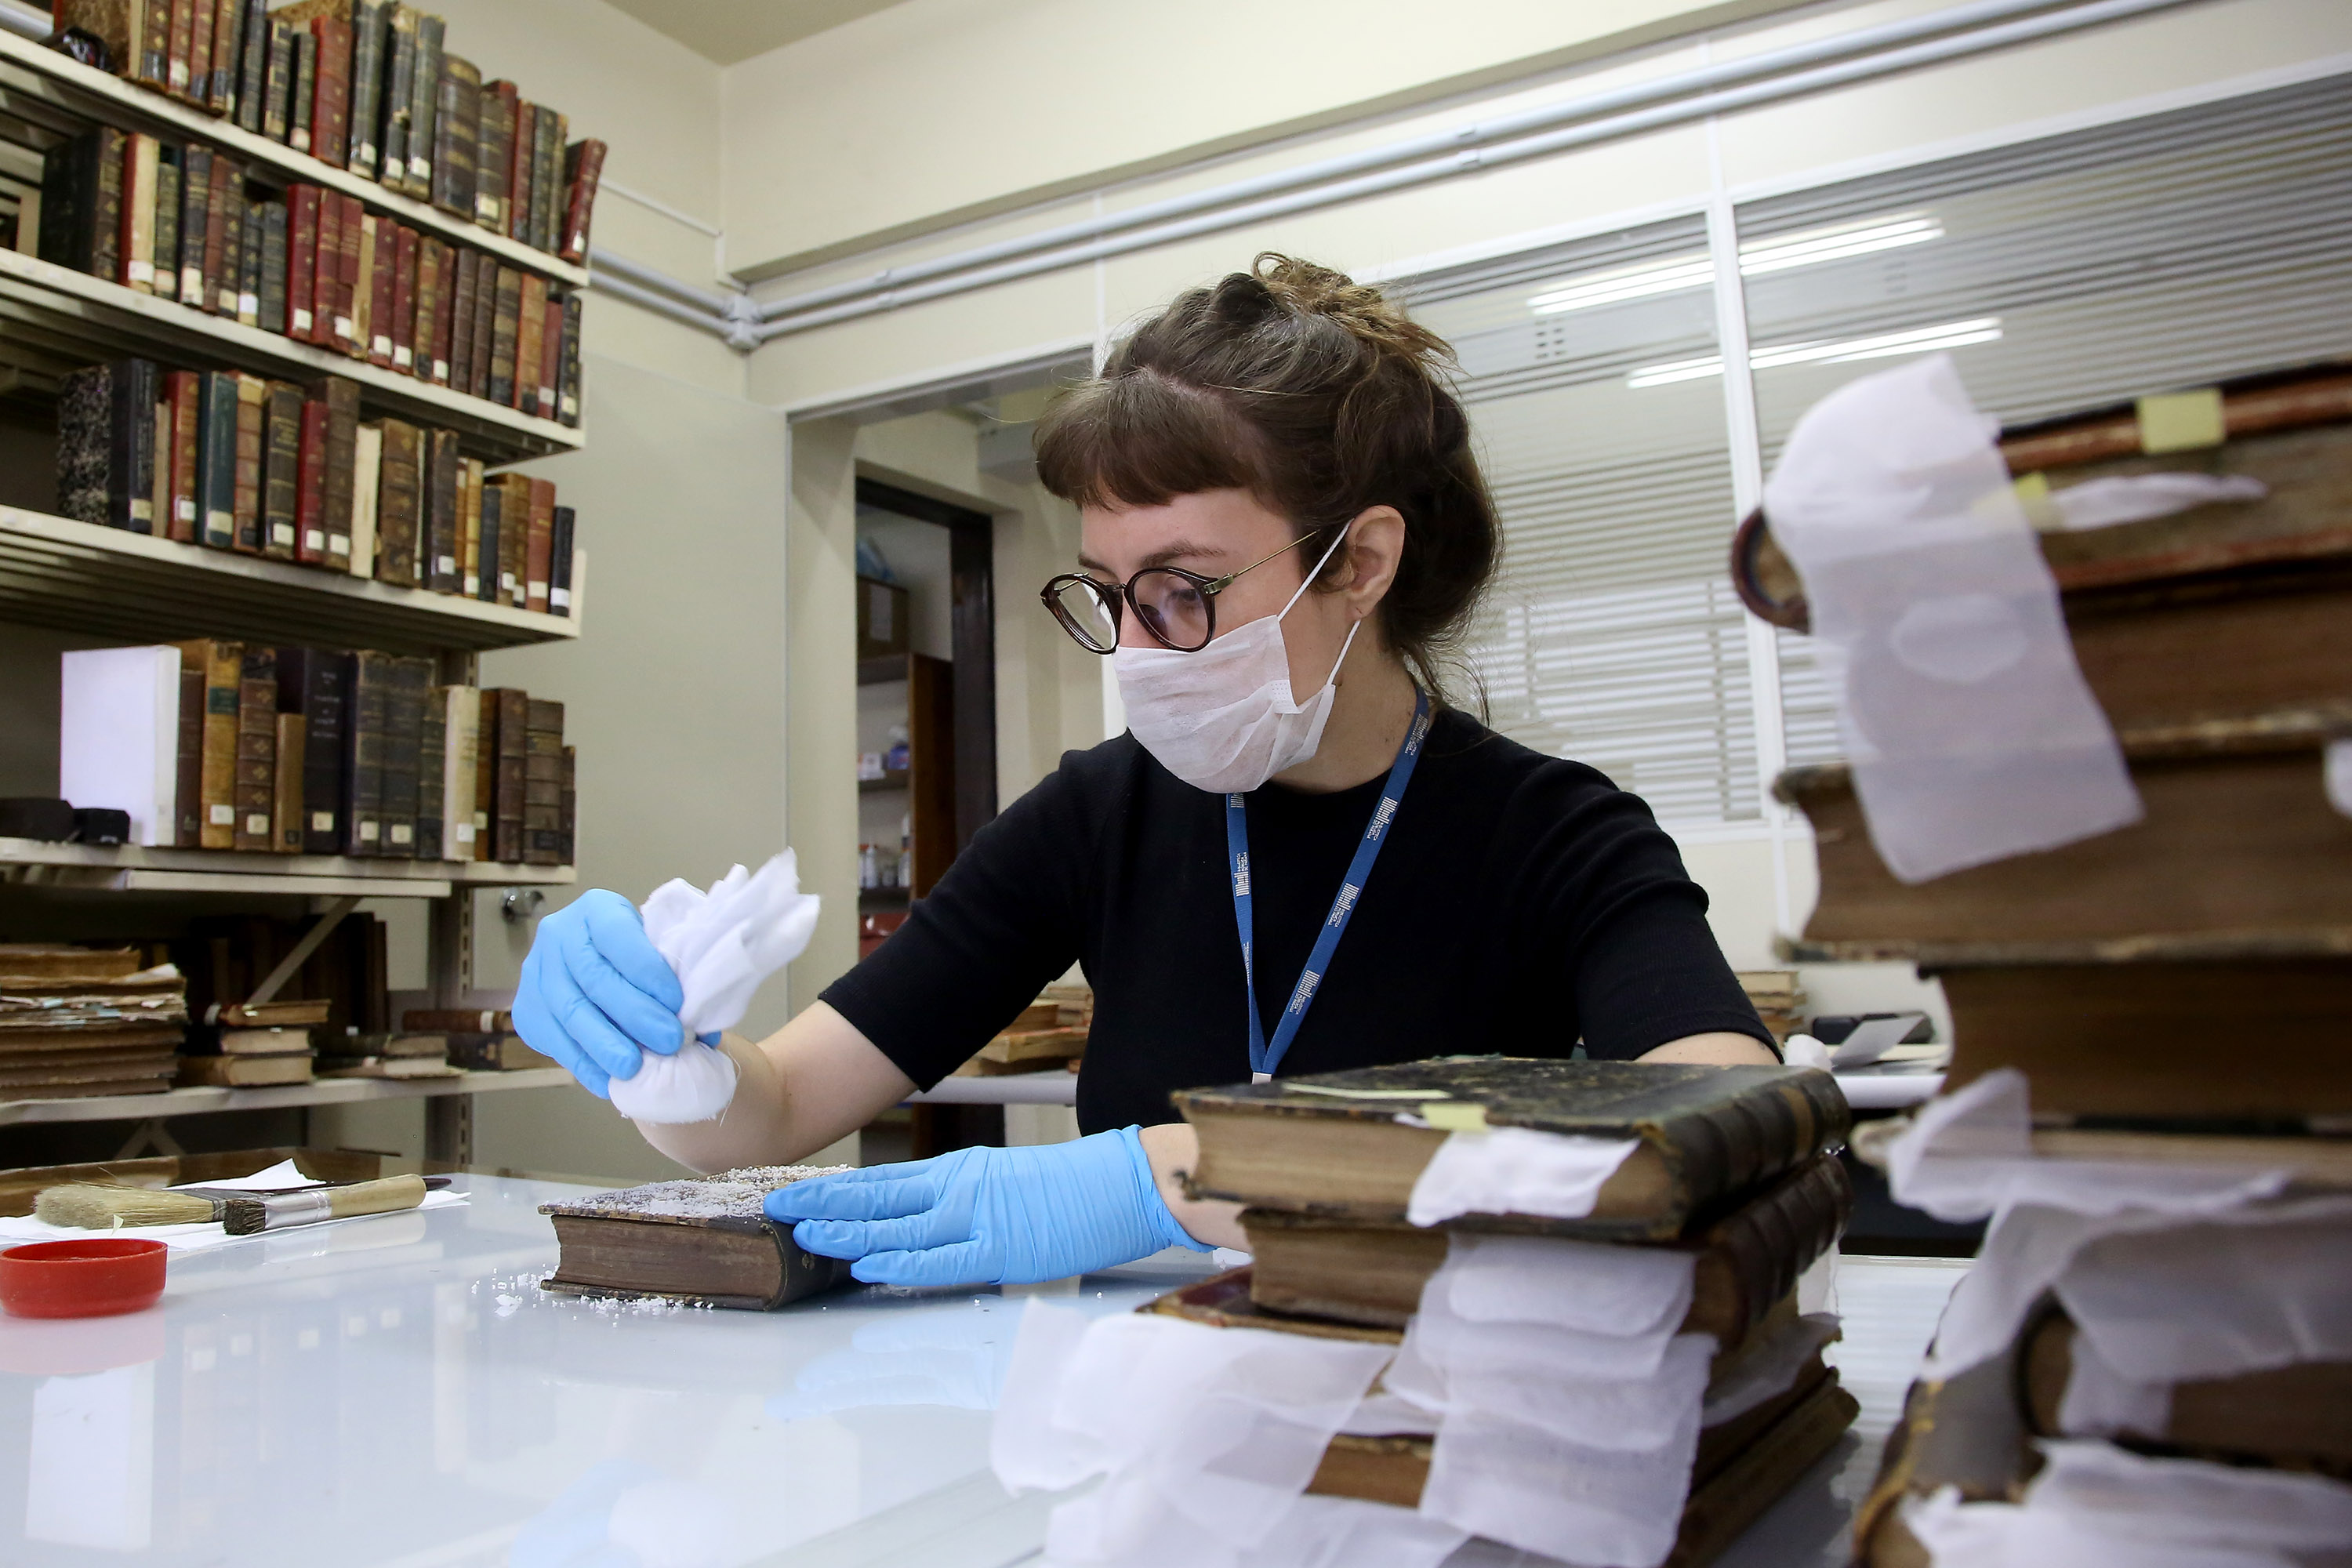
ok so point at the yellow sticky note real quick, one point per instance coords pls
(2032, 487)
(2181, 421)
(1453, 1116)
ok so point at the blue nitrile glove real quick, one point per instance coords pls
(595, 994)
(988, 1217)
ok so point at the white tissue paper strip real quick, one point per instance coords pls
(2337, 772)
(2135, 498)
(1971, 733)
(1770, 1369)
(2100, 1402)
(1552, 1280)
(1514, 1170)
(722, 944)
(2094, 1506)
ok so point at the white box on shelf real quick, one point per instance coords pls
(119, 736)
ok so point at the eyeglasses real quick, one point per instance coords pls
(1176, 606)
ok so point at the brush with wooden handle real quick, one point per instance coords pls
(91, 1206)
(247, 1217)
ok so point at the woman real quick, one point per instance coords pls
(1277, 497)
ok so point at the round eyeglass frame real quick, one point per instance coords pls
(1116, 597)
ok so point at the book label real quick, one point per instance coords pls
(180, 74)
(441, 369)
(227, 301)
(224, 817)
(481, 822)
(365, 151)
(221, 522)
(142, 510)
(486, 208)
(142, 272)
(367, 831)
(301, 321)
(446, 564)
(281, 533)
(403, 832)
(255, 822)
(323, 821)
(572, 408)
(339, 544)
(192, 285)
(344, 327)
(302, 138)
(470, 586)
(314, 538)
(538, 589)
(420, 168)
(465, 833)
(249, 304)
(558, 599)
(505, 581)
(380, 345)
(401, 358)
(184, 508)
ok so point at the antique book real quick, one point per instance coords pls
(202, 16)
(469, 528)
(272, 1015)
(539, 544)
(159, 449)
(460, 707)
(253, 65)
(196, 201)
(365, 140)
(486, 773)
(518, 169)
(135, 251)
(248, 264)
(494, 155)
(222, 199)
(279, 86)
(583, 166)
(371, 293)
(330, 123)
(567, 391)
(82, 203)
(286, 799)
(257, 747)
(1967, 1432)
(341, 479)
(432, 764)
(304, 93)
(367, 471)
(347, 277)
(514, 536)
(549, 132)
(228, 38)
(550, 355)
(403, 727)
(313, 683)
(413, 353)
(84, 418)
(63, 960)
(217, 460)
(506, 317)
(1747, 1261)
(301, 261)
(151, 60)
(179, 53)
(438, 566)
(1330, 1144)
(462, 304)
(244, 1071)
(397, 505)
(543, 801)
(131, 445)
(2122, 1033)
(704, 1241)
(485, 335)
(164, 279)
(445, 315)
(423, 97)
(479, 1052)
(510, 773)
(399, 84)
(430, 1045)
(344, 1065)
(487, 552)
(567, 810)
(310, 487)
(269, 304)
(367, 705)
(281, 476)
(398, 326)
(2237, 809)
(457, 132)
(252, 421)
(559, 565)
(188, 797)
(458, 1020)
(531, 332)
(326, 267)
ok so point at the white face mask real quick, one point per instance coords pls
(1223, 719)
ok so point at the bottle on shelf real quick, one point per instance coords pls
(895, 759)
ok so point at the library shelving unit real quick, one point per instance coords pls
(105, 583)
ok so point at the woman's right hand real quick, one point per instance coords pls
(595, 994)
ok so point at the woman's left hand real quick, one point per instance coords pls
(988, 1217)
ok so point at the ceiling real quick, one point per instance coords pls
(726, 31)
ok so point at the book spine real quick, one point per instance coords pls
(228, 33)
(365, 707)
(220, 191)
(441, 511)
(279, 87)
(256, 748)
(301, 261)
(486, 548)
(159, 460)
(177, 56)
(304, 94)
(461, 709)
(281, 477)
(327, 270)
(184, 392)
(163, 252)
(551, 356)
(248, 263)
(124, 442)
(568, 814)
(542, 805)
(85, 420)
(400, 79)
(511, 772)
(540, 547)
(396, 506)
(558, 566)
(217, 461)
(195, 196)
(547, 182)
(503, 324)
(457, 129)
(325, 679)
(188, 799)
(519, 164)
(367, 481)
(136, 251)
(216, 779)
(583, 169)
(104, 242)
(340, 479)
(444, 314)
(419, 319)
(371, 294)
(531, 327)
(398, 329)
(330, 122)
(403, 741)
(286, 799)
(567, 392)
(270, 307)
(310, 486)
(348, 304)
(252, 421)
(469, 528)
(253, 68)
(462, 303)
(203, 18)
(153, 67)
(367, 88)
(230, 281)
(514, 537)
(493, 156)
(432, 768)
(422, 90)
(486, 771)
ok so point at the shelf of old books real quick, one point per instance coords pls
(34, 79)
(110, 582)
(128, 867)
(53, 318)
(319, 1091)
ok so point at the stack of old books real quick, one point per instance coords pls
(1049, 1034)
(1779, 998)
(253, 1045)
(1725, 1186)
(2172, 995)
(76, 1022)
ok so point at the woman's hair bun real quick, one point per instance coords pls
(1307, 288)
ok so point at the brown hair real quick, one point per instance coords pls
(1315, 394)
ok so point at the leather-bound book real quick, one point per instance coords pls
(439, 566)
(203, 18)
(310, 486)
(183, 390)
(488, 552)
(248, 264)
(460, 707)
(314, 682)
(1322, 1144)
(135, 250)
(1747, 1261)
(278, 89)
(399, 82)
(543, 800)
(281, 476)
(399, 324)
(371, 293)
(510, 774)
(252, 427)
(466, 263)
(151, 62)
(132, 390)
(257, 747)
(559, 565)
(547, 135)
(237, 254)
(494, 155)
(329, 114)
(327, 267)
(286, 801)
(456, 133)
(514, 539)
(224, 667)
(531, 332)
(188, 805)
(550, 355)
(504, 322)
(583, 168)
(469, 528)
(1967, 1432)
(364, 142)
(159, 436)
(412, 680)
(486, 771)
(84, 413)
(526, 133)
(568, 815)
(347, 279)
(195, 196)
(367, 489)
(367, 706)
(228, 36)
(485, 339)
(269, 303)
(301, 262)
(417, 319)
(445, 315)
(304, 96)
(179, 50)
(432, 777)
(705, 1241)
(424, 93)
(339, 499)
(539, 544)
(253, 67)
(82, 203)
(567, 391)
(217, 461)
(221, 193)
(397, 495)
(163, 250)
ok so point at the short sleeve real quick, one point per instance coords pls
(1002, 925)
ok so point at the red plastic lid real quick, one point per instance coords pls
(79, 1279)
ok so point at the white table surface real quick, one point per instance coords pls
(395, 1393)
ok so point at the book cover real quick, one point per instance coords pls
(270, 306)
(252, 421)
(568, 389)
(539, 546)
(371, 292)
(257, 747)
(221, 192)
(456, 131)
(217, 460)
(279, 87)
(514, 537)
(347, 277)
(179, 54)
(326, 267)
(547, 135)
(487, 547)
(367, 705)
(330, 124)
(460, 707)
(229, 283)
(423, 89)
(462, 304)
(426, 304)
(510, 775)
(340, 478)
(224, 667)
(285, 800)
(188, 795)
(281, 474)
(432, 771)
(367, 472)
(135, 252)
(559, 565)
(195, 198)
(183, 391)
(439, 564)
(494, 155)
(305, 93)
(204, 20)
(485, 301)
(550, 355)
(444, 314)
(253, 67)
(1323, 1143)
(159, 453)
(310, 485)
(504, 323)
(397, 497)
(518, 169)
(301, 261)
(367, 88)
(398, 326)
(135, 386)
(313, 682)
(84, 418)
(399, 83)
(583, 168)
(152, 62)
(228, 35)
(411, 681)
(486, 772)
(543, 800)
(251, 232)
(469, 527)
(163, 281)
(530, 329)
(704, 1240)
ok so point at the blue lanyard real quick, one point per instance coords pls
(1264, 1057)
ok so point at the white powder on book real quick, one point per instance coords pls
(729, 1195)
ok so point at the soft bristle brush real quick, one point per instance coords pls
(246, 1216)
(89, 1206)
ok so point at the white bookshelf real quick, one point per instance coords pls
(132, 870)
(292, 1096)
